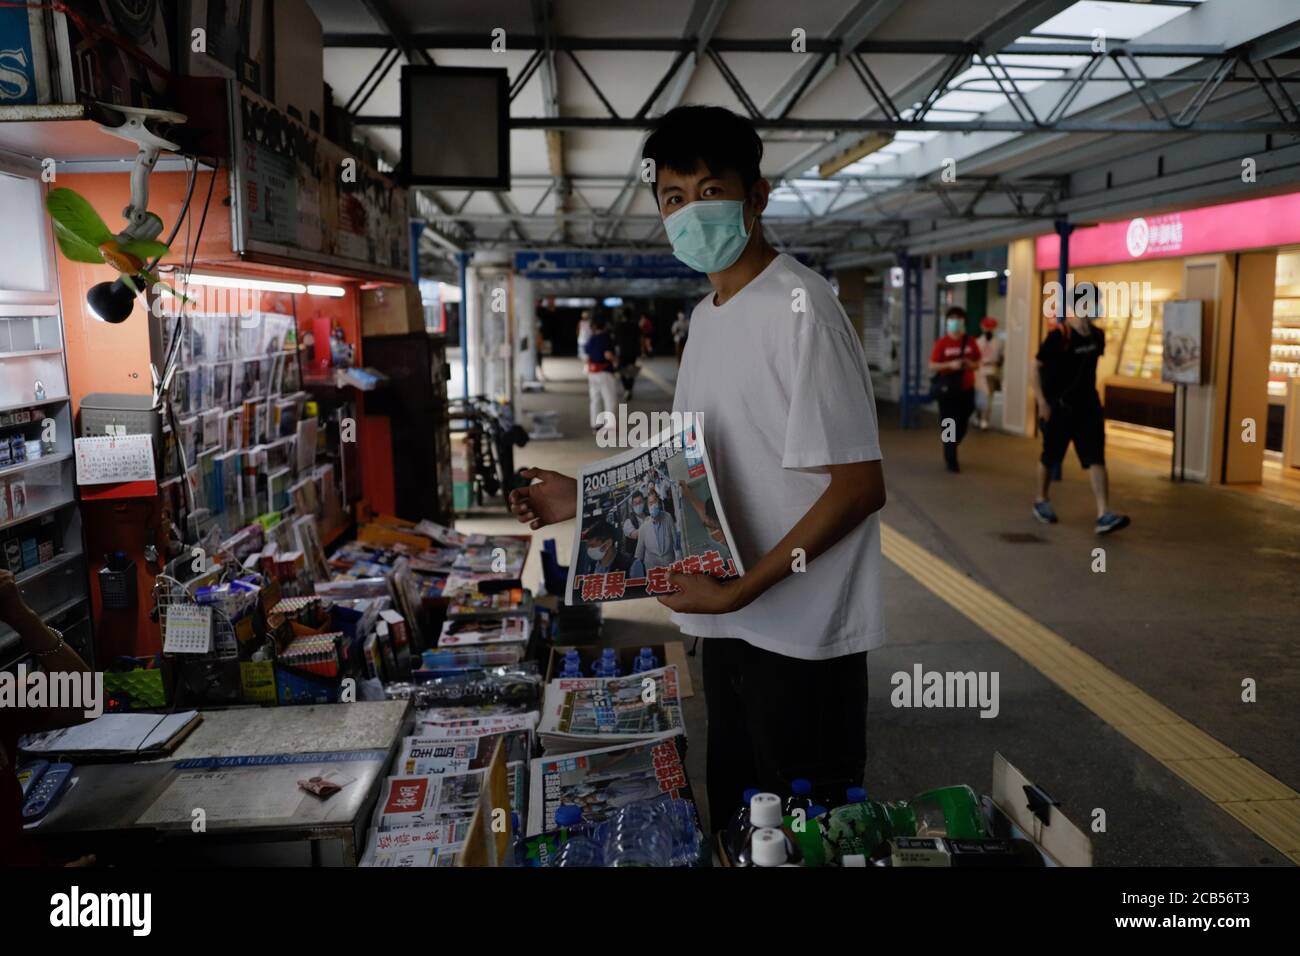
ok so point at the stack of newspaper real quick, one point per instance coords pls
(602, 780)
(424, 810)
(581, 712)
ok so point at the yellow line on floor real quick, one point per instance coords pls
(1256, 799)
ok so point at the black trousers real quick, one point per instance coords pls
(958, 406)
(774, 718)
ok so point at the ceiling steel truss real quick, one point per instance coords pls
(1218, 70)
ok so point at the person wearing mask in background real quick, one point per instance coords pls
(602, 385)
(584, 332)
(604, 556)
(953, 362)
(988, 377)
(632, 523)
(627, 343)
(786, 399)
(1070, 410)
(681, 329)
(647, 328)
(47, 647)
(657, 545)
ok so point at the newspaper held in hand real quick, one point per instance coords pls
(646, 513)
(581, 712)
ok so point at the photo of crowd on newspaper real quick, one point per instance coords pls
(647, 514)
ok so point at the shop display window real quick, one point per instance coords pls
(1284, 357)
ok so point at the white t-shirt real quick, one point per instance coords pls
(781, 395)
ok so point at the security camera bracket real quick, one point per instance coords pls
(133, 125)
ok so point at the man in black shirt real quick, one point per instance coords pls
(627, 340)
(1069, 410)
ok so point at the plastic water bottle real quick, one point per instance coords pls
(607, 665)
(684, 835)
(568, 817)
(768, 848)
(855, 795)
(739, 826)
(645, 661)
(579, 851)
(638, 835)
(581, 845)
(765, 814)
(800, 797)
(572, 664)
(815, 811)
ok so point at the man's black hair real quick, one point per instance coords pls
(636, 495)
(600, 530)
(690, 136)
(955, 311)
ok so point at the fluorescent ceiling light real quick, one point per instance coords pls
(240, 282)
(970, 276)
(863, 147)
(333, 291)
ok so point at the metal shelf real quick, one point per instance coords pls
(56, 562)
(49, 509)
(8, 470)
(35, 403)
(30, 352)
(10, 642)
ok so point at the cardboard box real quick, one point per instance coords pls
(671, 652)
(299, 62)
(236, 40)
(391, 310)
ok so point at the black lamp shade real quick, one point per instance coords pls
(110, 301)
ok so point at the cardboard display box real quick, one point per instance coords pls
(299, 62)
(672, 652)
(391, 310)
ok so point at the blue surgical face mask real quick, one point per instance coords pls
(639, 509)
(956, 326)
(654, 511)
(595, 553)
(708, 235)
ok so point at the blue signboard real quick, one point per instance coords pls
(18, 84)
(557, 264)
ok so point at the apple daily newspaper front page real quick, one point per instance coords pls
(647, 512)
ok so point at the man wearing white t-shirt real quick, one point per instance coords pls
(778, 377)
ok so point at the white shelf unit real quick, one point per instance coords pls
(40, 522)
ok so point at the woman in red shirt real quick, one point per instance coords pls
(953, 362)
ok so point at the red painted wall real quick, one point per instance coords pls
(115, 358)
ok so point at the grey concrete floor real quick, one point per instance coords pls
(1199, 593)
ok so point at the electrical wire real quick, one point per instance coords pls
(173, 352)
(182, 216)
